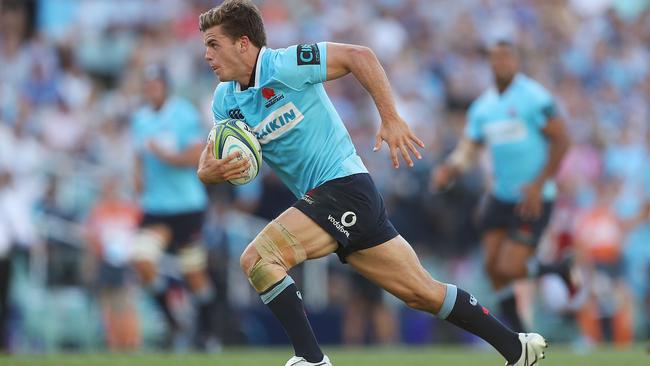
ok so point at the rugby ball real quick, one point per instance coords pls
(233, 135)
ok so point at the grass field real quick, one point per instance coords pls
(434, 356)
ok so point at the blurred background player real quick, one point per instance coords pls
(518, 122)
(169, 138)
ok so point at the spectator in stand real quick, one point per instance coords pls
(111, 227)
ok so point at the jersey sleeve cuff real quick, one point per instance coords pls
(322, 47)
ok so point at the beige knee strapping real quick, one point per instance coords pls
(192, 258)
(279, 251)
(148, 246)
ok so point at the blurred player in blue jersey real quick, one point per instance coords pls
(169, 139)
(280, 95)
(518, 122)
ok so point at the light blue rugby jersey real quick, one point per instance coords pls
(302, 136)
(169, 189)
(510, 126)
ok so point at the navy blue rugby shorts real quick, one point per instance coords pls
(351, 210)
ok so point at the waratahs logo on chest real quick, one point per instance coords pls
(271, 97)
(279, 122)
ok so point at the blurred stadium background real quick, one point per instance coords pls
(70, 74)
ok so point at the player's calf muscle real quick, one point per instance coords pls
(422, 301)
(426, 296)
(415, 287)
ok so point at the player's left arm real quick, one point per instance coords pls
(558, 144)
(190, 139)
(343, 59)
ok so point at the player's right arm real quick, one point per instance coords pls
(461, 159)
(463, 156)
(212, 170)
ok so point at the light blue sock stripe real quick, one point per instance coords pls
(267, 297)
(450, 301)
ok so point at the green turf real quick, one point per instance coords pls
(436, 356)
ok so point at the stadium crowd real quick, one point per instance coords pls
(70, 81)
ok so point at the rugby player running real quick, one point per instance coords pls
(280, 95)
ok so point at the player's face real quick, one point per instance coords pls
(155, 92)
(504, 62)
(223, 54)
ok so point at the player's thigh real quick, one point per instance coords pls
(292, 235)
(316, 241)
(523, 238)
(395, 267)
(495, 218)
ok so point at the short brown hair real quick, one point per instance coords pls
(237, 18)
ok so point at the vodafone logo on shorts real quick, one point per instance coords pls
(348, 219)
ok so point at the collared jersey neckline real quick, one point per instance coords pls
(257, 73)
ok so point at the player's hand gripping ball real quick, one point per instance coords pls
(232, 135)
